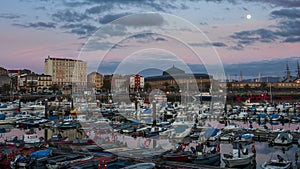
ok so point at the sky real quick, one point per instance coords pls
(148, 34)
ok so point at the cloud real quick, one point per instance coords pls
(289, 29)
(39, 25)
(69, 16)
(9, 16)
(252, 36)
(99, 9)
(80, 29)
(215, 44)
(136, 20)
(111, 17)
(288, 13)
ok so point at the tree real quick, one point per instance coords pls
(54, 88)
(147, 87)
(31, 85)
(6, 88)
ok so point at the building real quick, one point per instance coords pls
(119, 83)
(44, 83)
(136, 82)
(177, 80)
(3, 71)
(95, 79)
(64, 71)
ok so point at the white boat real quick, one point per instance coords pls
(283, 138)
(180, 131)
(31, 137)
(247, 137)
(141, 166)
(227, 137)
(232, 127)
(238, 157)
(280, 163)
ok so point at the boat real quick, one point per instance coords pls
(239, 156)
(180, 131)
(274, 117)
(280, 163)
(246, 137)
(63, 160)
(227, 137)
(283, 138)
(31, 138)
(179, 157)
(140, 166)
(27, 161)
(178, 154)
(210, 157)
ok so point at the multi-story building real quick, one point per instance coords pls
(136, 82)
(66, 71)
(44, 82)
(95, 79)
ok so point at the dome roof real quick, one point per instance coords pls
(173, 71)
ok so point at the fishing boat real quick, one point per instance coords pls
(141, 166)
(239, 156)
(31, 138)
(246, 137)
(227, 137)
(210, 157)
(26, 161)
(280, 163)
(62, 161)
(178, 154)
(274, 117)
(283, 138)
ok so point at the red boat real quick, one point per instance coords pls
(176, 157)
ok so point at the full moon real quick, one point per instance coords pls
(248, 16)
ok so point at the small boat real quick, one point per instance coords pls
(280, 163)
(178, 154)
(27, 161)
(227, 137)
(141, 166)
(239, 156)
(283, 138)
(246, 137)
(63, 160)
(31, 138)
(210, 157)
(274, 117)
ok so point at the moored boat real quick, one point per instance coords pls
(210, 157)
(239, 156)
(280, 163)
(283, 138)
(141, 166)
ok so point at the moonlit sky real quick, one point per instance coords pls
(33, 29)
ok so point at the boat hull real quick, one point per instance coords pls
(207, 159)
(236, 162)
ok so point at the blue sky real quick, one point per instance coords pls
(33, 29)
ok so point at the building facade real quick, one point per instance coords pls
(136, 82)
(95, 79)
(66, 71)
(44, 83)
(176, 80)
